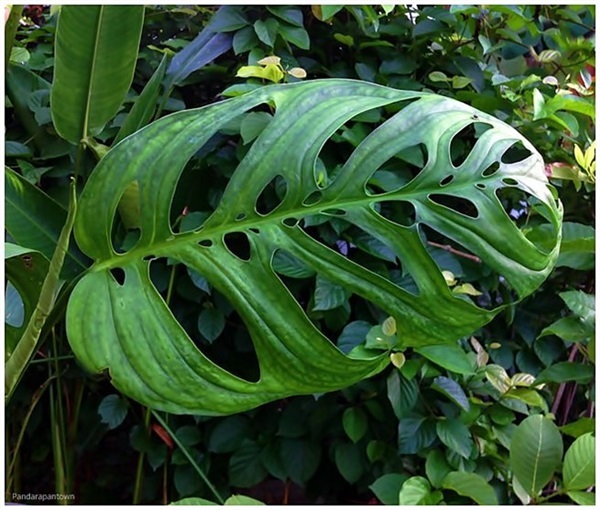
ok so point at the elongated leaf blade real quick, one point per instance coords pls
(95, 54)
(144, 106)
(35, 220)
(536, 450)
(144, 346)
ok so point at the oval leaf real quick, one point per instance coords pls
(471, 485)
(579, 466)
(536, 450)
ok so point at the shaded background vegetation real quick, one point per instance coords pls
(531, 66)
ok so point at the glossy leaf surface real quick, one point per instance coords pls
(95, 54)
(128, 328)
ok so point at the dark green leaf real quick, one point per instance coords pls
(471, 485)
(456, 436)
(402, 394)
(300, 458)
(436, 467)
(228, 18)
(113, 410)
(355, 423)
(349, 462)
(450, 357)
(211, 323)
(566, 371)
(295, 35)
(328, 295)
(244, 40)
(415, 434)
(267, 30)
(228, 434)
(144, 106)
(245, 466)
(293, 15)
(34, 220)
(387, 488)
(452, 390)
(352, 335)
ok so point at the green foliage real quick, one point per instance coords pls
(400, 435)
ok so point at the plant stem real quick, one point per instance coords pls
(449, 248)
(191, 460)
(18, 361)
(139, 474)
(10, 30)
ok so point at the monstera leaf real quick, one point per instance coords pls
(122, 324)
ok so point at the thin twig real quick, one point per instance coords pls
(561, 387)
(449, 248)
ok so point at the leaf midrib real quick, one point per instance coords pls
(86, 117)
(274, 217)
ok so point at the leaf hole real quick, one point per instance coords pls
(334, 212)
(491, 170)
(149, 258)
(125, 240)
(14, 309)
(446, 180)
(272, 195)
(240, 217)
(480, 185)
(515, 153)
(238, 244)
(290, 222)
(509, 181)
(205, 243)
(118, 275)
(464, 141)
(413, 160)
(401, 212)
(254, 230)
(313, 198)
(459, 204)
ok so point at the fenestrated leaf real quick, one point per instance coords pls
(95, 54)
(35, 220)
(26, 270)
(472, 486)
(144, 346)
(579, 465)
(536, 449)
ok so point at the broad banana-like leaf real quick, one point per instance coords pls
(95, 54)
(128, 329)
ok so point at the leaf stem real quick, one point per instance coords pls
(191, 460)
(448, 248)
(139, 474)
(19, 360)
